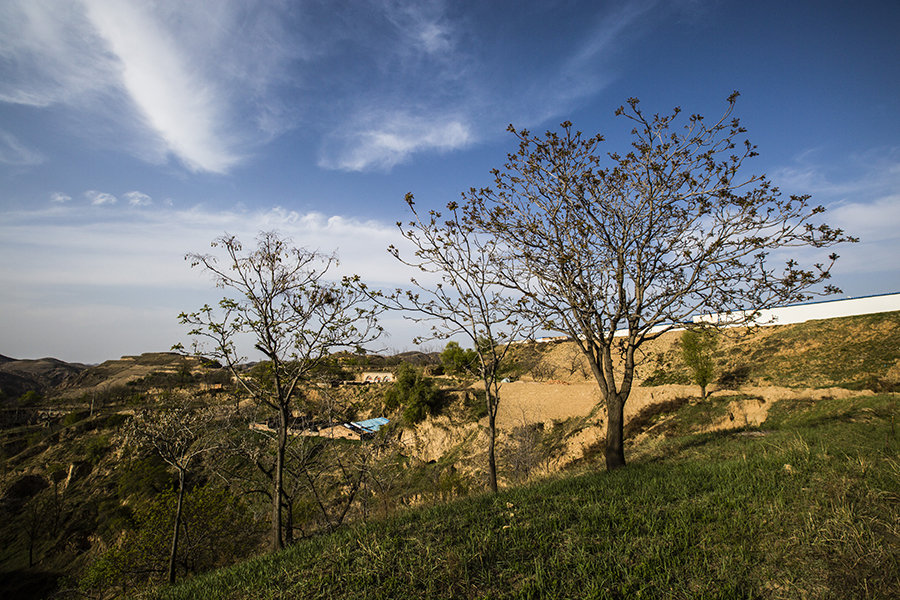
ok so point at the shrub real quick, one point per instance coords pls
(697, 349)
(414, 393)
(29, 398)
(218, 530)
(543, 371)
(735, 377)
(95, 448)
(458, 361)
(145, 477)
(73, 417)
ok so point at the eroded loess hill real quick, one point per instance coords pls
(42, 375)
(553, 404)
(858, 352)
(70, 477)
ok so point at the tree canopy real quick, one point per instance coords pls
(283, 300)
(468, 301)
(614, 248)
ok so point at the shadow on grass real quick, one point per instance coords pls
(27, 584)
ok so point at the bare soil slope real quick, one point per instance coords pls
(835, 358)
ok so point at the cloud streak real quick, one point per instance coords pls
(50, 54)
(14, 153)
(71, 245)
(138, 198)
(190, 80)
(180, 106)
(380, 143)
(464, 91)
(100, 198)
(866, 205)
(210, 83)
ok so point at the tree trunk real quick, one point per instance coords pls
(177, 529)
(615, 431)
(288, 522)
(278, 481)
(492, 461)
(703, 392)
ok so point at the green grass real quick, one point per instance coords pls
(805, 354)
(807, 508)
(852, 352)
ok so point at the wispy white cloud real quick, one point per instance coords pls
(138, 198)
(67, 246)
(873, 172)
(876, 221)
(50, 54)
(112, 282)
(208, 83)
(191, 80)
(59, 197)
(100, 198)
(446, 88)
(13, 152)
(423, 23)
(180, 105)
(865, 204)
(388, 140)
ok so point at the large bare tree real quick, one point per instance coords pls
(467, 300)
(292, 313)
(613, 249)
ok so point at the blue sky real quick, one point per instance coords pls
(131, 133)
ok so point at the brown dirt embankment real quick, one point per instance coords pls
(532, 402)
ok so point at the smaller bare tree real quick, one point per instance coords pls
(179, 432)
(466, 302)
(296, 317)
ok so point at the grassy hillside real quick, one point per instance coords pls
(806, 355)
(808, 507)
(70, 489)
(861, 352)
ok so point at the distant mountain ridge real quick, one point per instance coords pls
(18, 377)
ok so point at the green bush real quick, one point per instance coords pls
(145, 477)
(414, 393)
(29, 398)
(697, 348)
(475, 404)
(95, 448)
(115, 420)
(218, 530)
(458, 361)
(73, 417)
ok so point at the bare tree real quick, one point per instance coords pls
(179, 433)
(295, 316)
(467, 301)
(613, 249)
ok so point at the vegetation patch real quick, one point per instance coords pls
(808, 510)
(860, 352)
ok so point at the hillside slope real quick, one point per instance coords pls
(855, 352)
(808, 507)
(41, 375)
(69, 461)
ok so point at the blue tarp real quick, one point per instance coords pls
(370, 425)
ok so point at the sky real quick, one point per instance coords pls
(132, 133)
